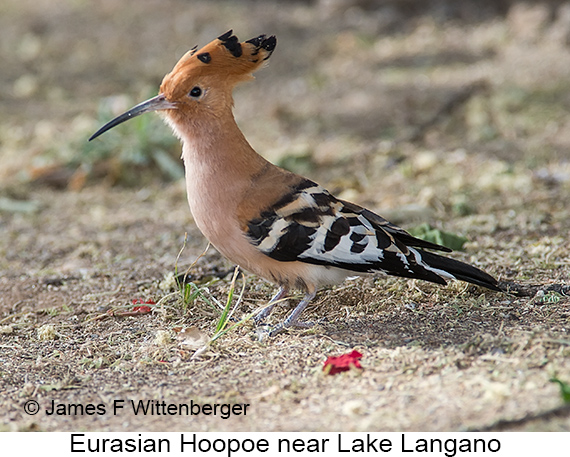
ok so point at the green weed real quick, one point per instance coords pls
(433, 235)
(564, 389)
(551, 297)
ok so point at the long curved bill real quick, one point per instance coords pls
(154, 104)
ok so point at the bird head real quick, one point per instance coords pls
(201, 83)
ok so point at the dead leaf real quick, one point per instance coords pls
(193, 338)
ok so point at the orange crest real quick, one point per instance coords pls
(224, 58)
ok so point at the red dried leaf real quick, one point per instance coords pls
(142, 309)
(334, 365)
(140, 301)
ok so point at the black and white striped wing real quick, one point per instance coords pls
(310, 225)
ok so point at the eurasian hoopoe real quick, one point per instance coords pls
(274, 223)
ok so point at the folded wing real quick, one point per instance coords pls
(310, 225)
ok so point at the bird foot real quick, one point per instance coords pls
(265, 312)
(262, 315)
(292, 320)
(285, 325)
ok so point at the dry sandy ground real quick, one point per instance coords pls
(450, 114)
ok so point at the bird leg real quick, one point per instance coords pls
(293, 318)
(265, 312)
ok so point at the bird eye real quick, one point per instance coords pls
(195, 92)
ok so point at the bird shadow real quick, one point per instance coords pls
(482, 329)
